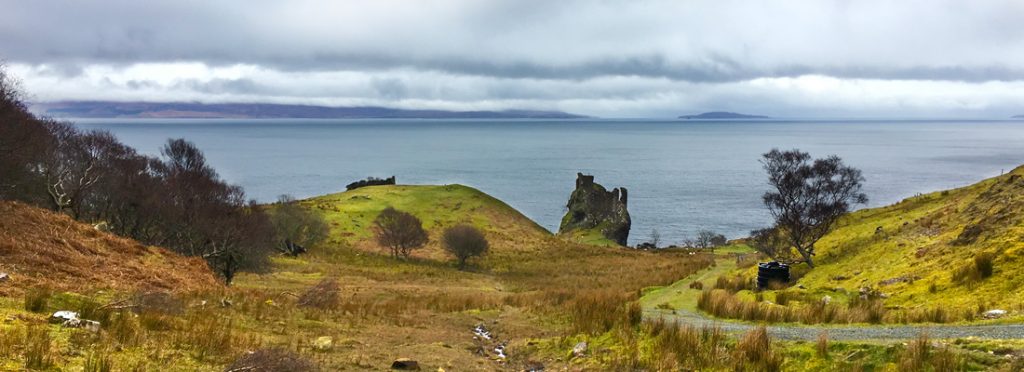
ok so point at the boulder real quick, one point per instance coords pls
(405, 364)
(994, 314)
(70, 319)
(591, 207)
(62, 316)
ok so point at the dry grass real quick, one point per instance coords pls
(755, 352)
(324, 295)
(723, 304)
(32, 240)
(271, 360)
(922, 355)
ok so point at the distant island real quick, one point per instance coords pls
(723, 115)
(174, 110)
(1017, 117)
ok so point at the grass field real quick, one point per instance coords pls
(537, 293)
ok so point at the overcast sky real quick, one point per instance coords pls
(856, 58)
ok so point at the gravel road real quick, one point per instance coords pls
(848, 333)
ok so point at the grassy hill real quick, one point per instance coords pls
(350, 215)
(39, 248)
(923, 250)
(939, 257)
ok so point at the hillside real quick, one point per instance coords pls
(350, 215)
(171, 110)
(913, 250)
(42, 248)
(957, 251)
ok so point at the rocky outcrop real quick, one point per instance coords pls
(592, 207)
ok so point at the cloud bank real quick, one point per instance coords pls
(618, 59)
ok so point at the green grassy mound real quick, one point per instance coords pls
(350, 214)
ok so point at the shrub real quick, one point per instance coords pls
(978, 269)
(696, 285)
(399, 231)
(464, 242)
(36, 299)
(983, 264)
(324, 295)
(295, 227)
(271, 360)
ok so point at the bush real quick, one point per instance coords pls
(324, 295)
(978, 269)
(271, 360)
(296, 228)
(36, 299)
(983, 263)
(399, 231)
(464, 242)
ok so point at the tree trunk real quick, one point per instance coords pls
(806, 254)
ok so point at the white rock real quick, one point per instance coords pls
(580, 349)
(63, 316)
(994, 314)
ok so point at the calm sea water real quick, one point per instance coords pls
(681, 175)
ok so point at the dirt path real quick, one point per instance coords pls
(683, 299)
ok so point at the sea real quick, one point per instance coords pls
(682, 175)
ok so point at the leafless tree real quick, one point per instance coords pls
(399, 231)
(464, 242)
(655, 238)
(707, 239)
(808, 197)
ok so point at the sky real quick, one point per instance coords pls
(617, 59)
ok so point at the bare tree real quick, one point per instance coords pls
(808, 197)
(655, 238)
(707, 239)
(399, 231)
(464, 242)
(296, 227)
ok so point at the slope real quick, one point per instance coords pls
(43, 248)
(931, 250)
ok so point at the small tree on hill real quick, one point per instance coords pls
(807, 198)
(296, 228)
(399, 231)
(464, 242)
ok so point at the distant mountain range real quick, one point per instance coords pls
(172, 110)
(723, 115)
(1017, 117)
